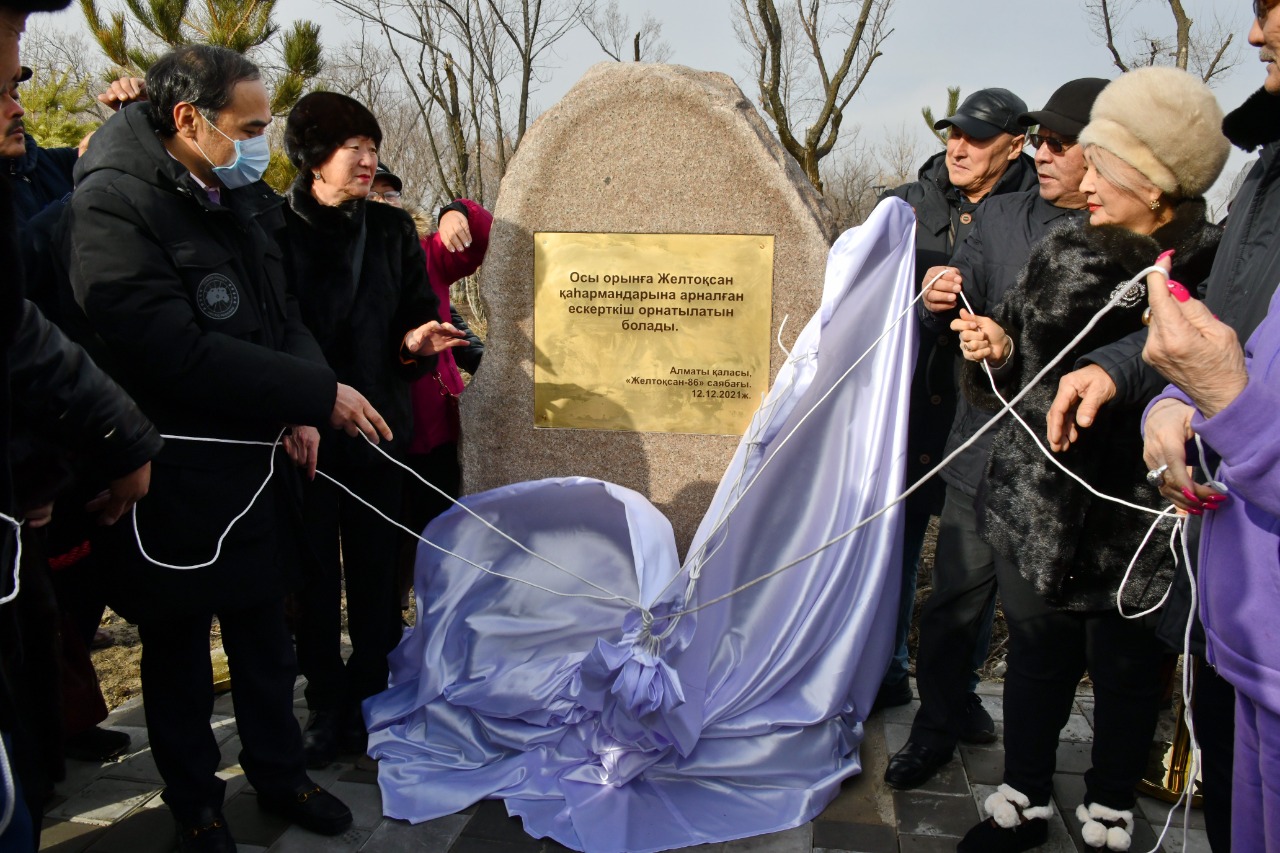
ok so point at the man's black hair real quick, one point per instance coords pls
(198, 74)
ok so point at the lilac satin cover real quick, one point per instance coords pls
(562, 683)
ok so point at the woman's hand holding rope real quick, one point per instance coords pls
(982, 338)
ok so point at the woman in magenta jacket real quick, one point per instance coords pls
(454, 252)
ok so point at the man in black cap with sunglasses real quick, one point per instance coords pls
(983, 159)
(955, 621)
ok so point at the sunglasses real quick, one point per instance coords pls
(1057, 146)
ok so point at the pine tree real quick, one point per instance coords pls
(245, 26)
(953, 101)
(59, 111)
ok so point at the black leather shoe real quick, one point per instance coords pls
(310, 807)
(97, 744)
(988, 837)
(320, 740)
(893, 695)
(207, 833)
(915, 764)
(977, 726)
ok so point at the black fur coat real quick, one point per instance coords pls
(1072, 546)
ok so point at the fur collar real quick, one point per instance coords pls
(1255, 122)
(340, 220)
(1192, 237)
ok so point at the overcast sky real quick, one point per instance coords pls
(1029, 46)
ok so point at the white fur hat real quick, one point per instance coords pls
(1166, 124)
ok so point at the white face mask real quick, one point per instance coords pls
(253, 155)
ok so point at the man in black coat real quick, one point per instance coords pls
(985, 267)
(983, 159)
(65, 397)
(40, 176)
(171, 262)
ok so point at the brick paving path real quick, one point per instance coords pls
(116, 808)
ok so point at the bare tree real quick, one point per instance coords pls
(467, 68)
(899, 154)
(1206, 51)
(859, 174)
(802, 90)
(359, 69)
(612, 31)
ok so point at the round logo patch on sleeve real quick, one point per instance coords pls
(217, 297)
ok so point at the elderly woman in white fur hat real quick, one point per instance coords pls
(1153, 146)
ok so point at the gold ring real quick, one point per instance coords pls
(1146, 316)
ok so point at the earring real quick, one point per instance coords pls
(315, 176)
(1155, 204)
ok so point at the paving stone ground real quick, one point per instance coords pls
(116, 807)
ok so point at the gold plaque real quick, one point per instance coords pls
(651, 332)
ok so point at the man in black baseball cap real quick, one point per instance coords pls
(386, 186)
(954, 621)
(983, 160)
(1059, 162)
(984, 138)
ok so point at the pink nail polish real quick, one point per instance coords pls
(1190, 495)
(1219, 498)
(1194, 511)
(1167, 253)
(1179, 292)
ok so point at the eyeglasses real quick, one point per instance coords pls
(389, 195)
(1056, 145)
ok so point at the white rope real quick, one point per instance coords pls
(10, 789)
(1124, 581)
(609, 596)
(696, 561)
(443, 550)
(217, 551)
(1036, 438)
(1188, 686)
(484, 521)
(6, 771)
(17, 556)
(1007, 407)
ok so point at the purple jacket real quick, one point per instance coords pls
(1239, 583)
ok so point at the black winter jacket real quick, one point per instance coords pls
(188, 303)
(989, 262)
(1074, 548)
(360, 324)
(40, 177)
(940, 228)
(50, 388)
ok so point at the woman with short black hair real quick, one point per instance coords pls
(359, 274)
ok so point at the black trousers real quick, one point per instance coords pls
(350, 542)
(953, 620)
(1213, 709)
(1049, 651)
(177, 688)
